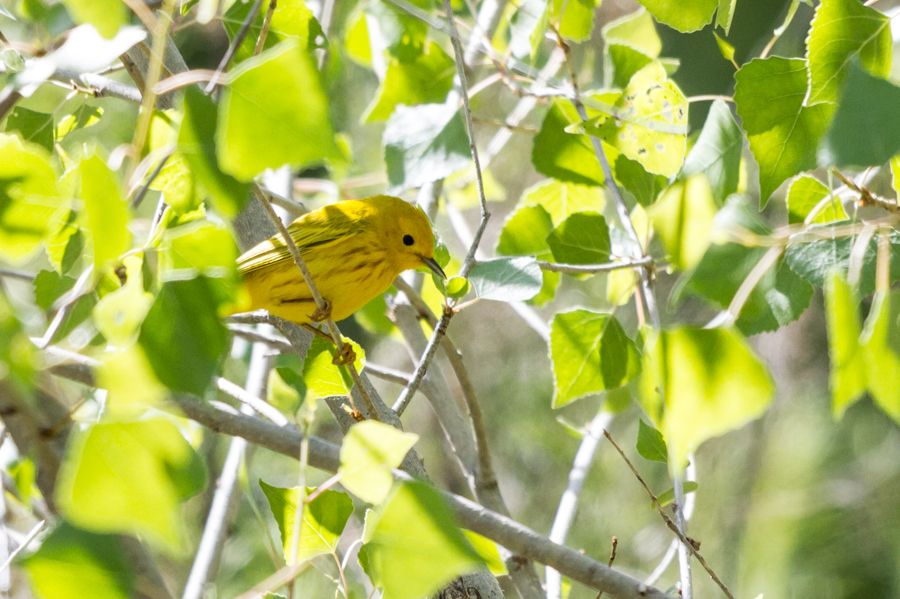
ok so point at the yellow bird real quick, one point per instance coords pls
(354, 250)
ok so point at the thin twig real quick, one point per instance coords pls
(264, 32)
(260, 406)
(867, 198)
(584, 269)
(687, 542)
(321, 305)
(25, 542)
(282, 577)
(612, 558)
(14, 274)
(470, 129)
(233, 48)
(142, 191)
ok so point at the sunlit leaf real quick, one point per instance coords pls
(564, 156)
(292, 20)
(683, 216)
(73, 563)
(36, 127)
(415, 533)
(107, 213)
(322, 377)
(525, 232)
(806, 193)
(698, 384)
(139, 491)
(274, 112)
(669, 496)
(783, 132)
(574, 18)
(105, 15)
(323, 519)
(119, 314)
(590, 353)
(683, 15)
(841, 31)
(426, 80)
(561, 200)
(31, 205)
(881, 345)
(848, 367)
(369, 452)
(637, 31)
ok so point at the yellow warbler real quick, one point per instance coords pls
(354, 250)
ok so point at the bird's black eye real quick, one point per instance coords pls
(408, 240)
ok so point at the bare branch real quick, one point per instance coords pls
(28, 539)
(264, 32)
(584, 269)
(568, 503)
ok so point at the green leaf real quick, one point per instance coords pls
(415, 533)
(717, 153)
(273, 113)
(779, 298)
(725, 15)
(669, 496)
(783, 133)
(895, 174)
(698, 384)
(488, 551)
(863, 131)
(186, 311)
(292, 20)
(626, 62)
(369, 452)
(561, 200)
(357, 46)
(525, 232)
(73, 563)
(107, 16)
(725, 49)
(844, 30)
(322, 377)
(107, 214)
(139, 491)
(683, 217)
(196, 144)
(881, 345)
(847, 376)
(648, 122)
(18, 355)
(323, 519)
(202, 248)
(583, 238)
(175, 180)
(49, 286)
(590, 353)
(815, 259)
(804, 194)
(506, 279)
(85, 116)
(574, 18)
(426, 80)
(423, 144)
(31, 205)
(403, 33)
(131, 384)
(36, 127)
(563, 156)
(637, 31)
(285, 389)
(120, 313)
(644, 186)
(650, 443)
(457, 287)
(683, 15)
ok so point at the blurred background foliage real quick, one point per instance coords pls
(793, 505)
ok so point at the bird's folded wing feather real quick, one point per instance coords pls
(308, 231)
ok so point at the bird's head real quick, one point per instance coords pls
(408, 236)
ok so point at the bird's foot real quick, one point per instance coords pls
(322, 313)
(345, 356)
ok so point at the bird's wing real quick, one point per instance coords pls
(310, 230)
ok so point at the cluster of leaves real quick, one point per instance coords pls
(148, 306)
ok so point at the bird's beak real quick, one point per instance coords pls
(433, 265)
